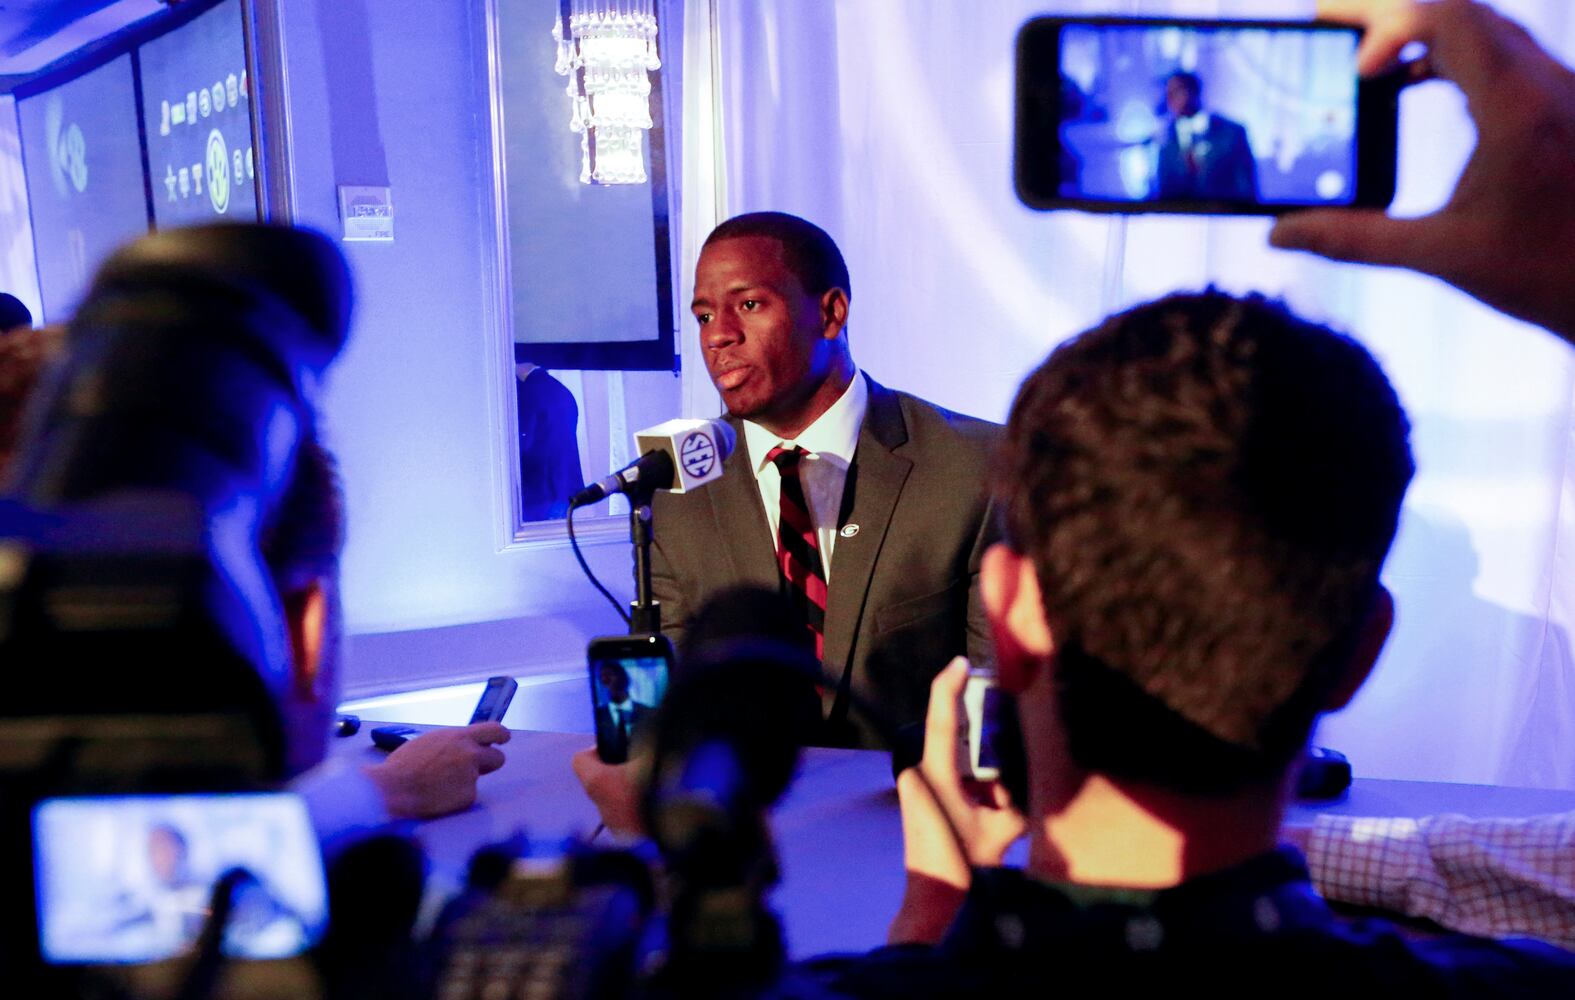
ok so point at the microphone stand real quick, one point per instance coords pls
(645, 614)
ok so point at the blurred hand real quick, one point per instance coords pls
(435, 773)
(950, 824)
(1507, 233)
(613, 788)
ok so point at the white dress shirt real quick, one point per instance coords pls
(830, 441)
(1190, 127)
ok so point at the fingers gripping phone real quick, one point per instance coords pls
(628, 675)
(1122, 114)
(494, 704)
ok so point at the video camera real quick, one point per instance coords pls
(139, 627)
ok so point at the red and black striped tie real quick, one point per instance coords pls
(798, 548)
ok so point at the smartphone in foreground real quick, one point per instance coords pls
(123, 879)
(492, 707)
(1121, 114)
(628, 675)
(977, 724)
(495, 698)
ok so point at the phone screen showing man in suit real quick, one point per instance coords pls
(628, 679)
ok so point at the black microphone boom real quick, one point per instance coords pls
(678, 455)
(651, 471)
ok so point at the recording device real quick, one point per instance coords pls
(552, 929)
(494, 704)
(495, 698)
(977, 725)
(149, 465)
(628, 676)
(391, 738)
(678, 455)
(724, 746)
(1123, 114)
(1325, 774)
(724, 749)
(123, 879)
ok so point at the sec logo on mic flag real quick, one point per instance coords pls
(698, 454)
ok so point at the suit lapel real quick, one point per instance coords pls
(739, 520)
(875, 481)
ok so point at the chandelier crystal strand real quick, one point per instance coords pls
(608, 56)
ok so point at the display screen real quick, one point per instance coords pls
(625, 691)
(196, 101)
(1200, 114)
(129, 878)
(85, 186)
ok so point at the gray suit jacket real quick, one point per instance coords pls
(904, 594)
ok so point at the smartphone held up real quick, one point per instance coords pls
(628, 675)
(1121, 114)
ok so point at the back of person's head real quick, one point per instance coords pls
(1207, 488)
(809, 251)
(193, 358)
(14, 313)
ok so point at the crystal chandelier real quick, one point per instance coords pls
(606, 48)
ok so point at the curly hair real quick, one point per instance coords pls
(1207, 487)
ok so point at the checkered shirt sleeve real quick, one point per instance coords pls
(1490, 877)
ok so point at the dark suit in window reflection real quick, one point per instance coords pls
(549, 447)
(1202, 154)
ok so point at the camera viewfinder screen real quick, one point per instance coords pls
(626, 692)
(1240, 115)
(129, 878)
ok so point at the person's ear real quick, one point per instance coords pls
(1370, 640)
(833, 312)
(1014, 603)
(306, 613)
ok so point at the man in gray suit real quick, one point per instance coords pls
(893, 487)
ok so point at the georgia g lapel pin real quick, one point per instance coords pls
(849, 530)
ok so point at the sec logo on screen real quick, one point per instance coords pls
(218, 172)
(698, 454)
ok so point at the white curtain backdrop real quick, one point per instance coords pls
(889, 123)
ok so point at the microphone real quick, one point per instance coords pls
(678, 455)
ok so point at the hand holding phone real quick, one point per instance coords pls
(492, 707)
(1504, 234)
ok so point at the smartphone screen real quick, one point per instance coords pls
(628, 680)
(1126, 114)
(124, 879)
(495, 698)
